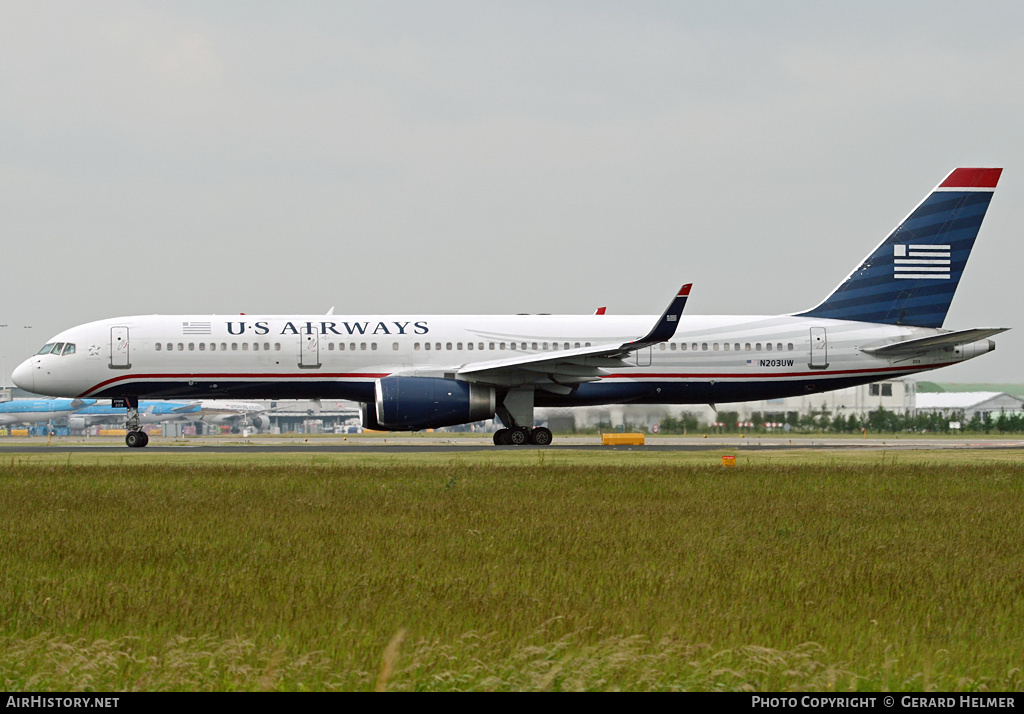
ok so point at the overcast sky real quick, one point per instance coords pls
(497, 157)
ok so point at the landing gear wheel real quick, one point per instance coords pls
(520, 435)
(502, 437)
(136, 439)
(541, 436)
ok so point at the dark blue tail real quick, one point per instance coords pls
(910, 278)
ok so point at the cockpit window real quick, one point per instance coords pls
(46, 349)
(57, 348)
(69, 349)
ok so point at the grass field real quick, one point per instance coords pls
(532, 570)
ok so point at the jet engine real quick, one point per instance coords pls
(414, 403)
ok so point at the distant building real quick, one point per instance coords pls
(894, 395)
(965, 405)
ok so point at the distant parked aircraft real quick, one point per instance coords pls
(33, 411)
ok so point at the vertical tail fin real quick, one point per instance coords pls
(910, 278)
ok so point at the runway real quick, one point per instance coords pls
(444, 443)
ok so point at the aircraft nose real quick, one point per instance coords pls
(24, 376)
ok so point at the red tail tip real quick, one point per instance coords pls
(972, 178)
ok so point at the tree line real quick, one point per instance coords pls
(878, 421)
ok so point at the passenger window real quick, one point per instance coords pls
(426, 345)
(157, 346)
(202, 347)
(768, 346)
(394, 346)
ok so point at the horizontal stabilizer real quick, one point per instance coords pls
(947, 339)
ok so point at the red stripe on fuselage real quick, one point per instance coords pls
(748, 376)
(760, 376)
(268, 377)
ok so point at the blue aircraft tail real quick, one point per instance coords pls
(910, 278)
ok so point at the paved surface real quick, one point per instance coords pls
(456, 443)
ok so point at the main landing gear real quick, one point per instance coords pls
(136, 437)
(515, 410)
(541, 436)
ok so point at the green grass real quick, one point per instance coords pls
(512, 570)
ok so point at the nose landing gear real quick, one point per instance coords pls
(136, 437)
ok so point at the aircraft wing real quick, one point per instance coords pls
(561, 370)
(922, 344)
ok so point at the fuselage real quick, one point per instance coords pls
(709, 359)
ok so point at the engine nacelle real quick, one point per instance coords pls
(973, 349)
(414, 403)
(77, 423)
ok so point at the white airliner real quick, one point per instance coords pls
(415, 371)
(237, 415)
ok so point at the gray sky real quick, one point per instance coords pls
(497, 157)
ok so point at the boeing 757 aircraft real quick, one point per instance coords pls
(415, 371)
